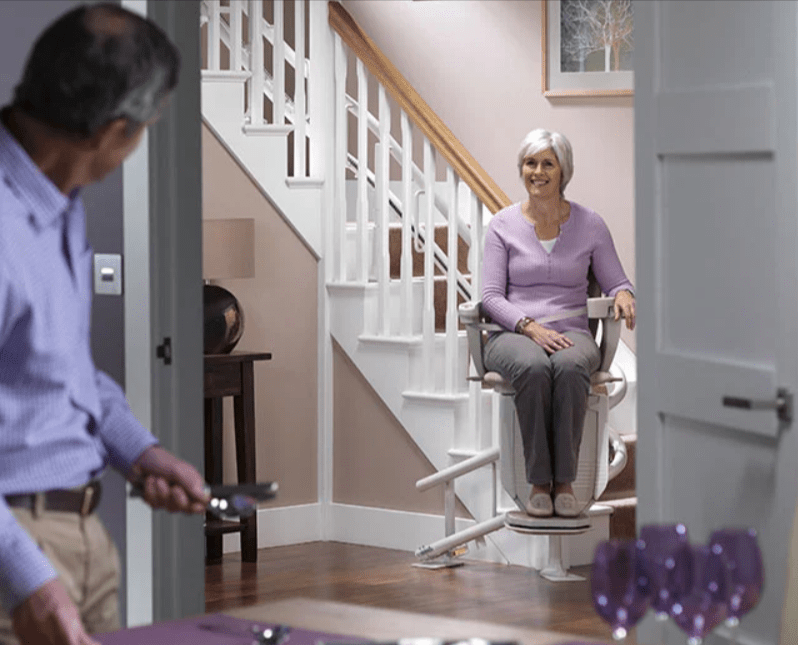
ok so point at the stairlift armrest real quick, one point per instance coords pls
(600, 307)
(611, 329)
(471, 315)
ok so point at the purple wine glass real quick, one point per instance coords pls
(661, 542)
(702, 590)
(619, 585)
(741, 549)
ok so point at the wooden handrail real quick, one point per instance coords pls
(417, 109)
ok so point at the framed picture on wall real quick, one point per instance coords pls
(588, 47)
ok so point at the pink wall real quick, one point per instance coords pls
(477, 63)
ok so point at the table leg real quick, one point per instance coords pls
(213, 468)
(244, 406)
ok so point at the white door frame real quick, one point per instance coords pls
(163, 287)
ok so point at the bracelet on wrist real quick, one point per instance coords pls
(521, 324)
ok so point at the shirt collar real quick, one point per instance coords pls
(45, 202)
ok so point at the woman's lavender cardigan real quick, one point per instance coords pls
(521, 279)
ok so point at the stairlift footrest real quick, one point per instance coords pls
(524, 523)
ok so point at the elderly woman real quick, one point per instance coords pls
(536, 261)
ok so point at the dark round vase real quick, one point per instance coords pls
(224, 320)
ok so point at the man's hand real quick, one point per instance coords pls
(49, 617)
(168, 482)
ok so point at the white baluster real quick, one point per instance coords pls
(428, 317)
(300, 123)
(383, 163)
(214, 35)
(320, 90)
(256, 62)
(362, 253)
(477, 244)
(474, 216)
(236, 35)
(408, 204)
(339, 227)
(451, 371)
(278, 64)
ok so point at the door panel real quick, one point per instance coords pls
(716, 201)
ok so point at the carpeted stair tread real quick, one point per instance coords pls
(441, 238)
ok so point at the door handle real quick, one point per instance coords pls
(782, 404)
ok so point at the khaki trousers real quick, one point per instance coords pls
(86, 560)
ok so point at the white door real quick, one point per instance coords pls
(717, 211)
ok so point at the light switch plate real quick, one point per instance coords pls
(108, 274)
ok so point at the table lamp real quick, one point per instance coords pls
(228, 251)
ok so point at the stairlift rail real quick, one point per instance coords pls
(439, 547)
(452, 472)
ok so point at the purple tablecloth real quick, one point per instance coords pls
(218, 629)
(213, 629)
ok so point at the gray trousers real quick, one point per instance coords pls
(550, 398)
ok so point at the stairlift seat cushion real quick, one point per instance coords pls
(498, 383)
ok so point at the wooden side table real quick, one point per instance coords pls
(231, 375)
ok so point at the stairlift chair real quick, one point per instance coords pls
(596, 464)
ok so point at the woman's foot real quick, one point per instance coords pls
(565, 504)
(539, 503)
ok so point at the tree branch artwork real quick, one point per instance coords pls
(590, 38)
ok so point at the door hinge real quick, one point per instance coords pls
(164, 351)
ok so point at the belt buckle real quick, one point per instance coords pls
(88, 497)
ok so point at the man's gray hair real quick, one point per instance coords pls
(95, 64)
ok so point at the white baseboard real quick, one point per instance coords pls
(281, 526)
(406, 531)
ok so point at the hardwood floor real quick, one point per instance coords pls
(369, 576)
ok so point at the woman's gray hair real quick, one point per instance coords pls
(539, 140)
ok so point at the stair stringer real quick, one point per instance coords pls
(262, 155)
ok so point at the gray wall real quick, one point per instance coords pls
(20, 23)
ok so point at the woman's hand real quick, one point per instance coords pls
(548, 339)
(624, 305)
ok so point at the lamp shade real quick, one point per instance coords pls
(228, 248)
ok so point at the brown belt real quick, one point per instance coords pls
(82, 500)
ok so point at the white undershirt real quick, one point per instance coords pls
(548, 244)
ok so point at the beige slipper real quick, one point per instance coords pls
(565, 505)
(539, 505)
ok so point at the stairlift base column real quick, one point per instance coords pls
(554, 570)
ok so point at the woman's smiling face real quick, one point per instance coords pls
(542, 174)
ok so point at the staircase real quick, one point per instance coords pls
(363, 196)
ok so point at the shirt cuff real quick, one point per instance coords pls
(23, 566)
